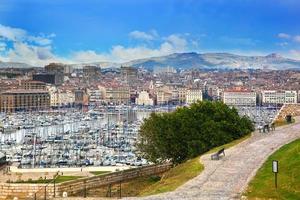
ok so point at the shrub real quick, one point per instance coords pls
(190, 131)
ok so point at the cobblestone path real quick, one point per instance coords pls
(228, 177)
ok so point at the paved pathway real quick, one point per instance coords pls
(227, 178)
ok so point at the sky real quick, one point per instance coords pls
(73, 31)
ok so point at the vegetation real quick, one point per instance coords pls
(262, 186)
(283, 122)
(59, 179)
(228, 145)
(99, 172)
(153, 184)
(190, 131)
(129, 188)
(175, 177)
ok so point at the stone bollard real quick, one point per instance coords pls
(65, 194)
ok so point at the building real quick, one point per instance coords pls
(129, 75)
(95, 96)
(58, 70)
(182, 94)
(32, 85)
(239, 97)
(144, 99)
(164, 70)
(193, 95)
(53, 92)
(81, 97)
(66, 98)
(91, 72)
(68, 69)
(279, 97)
(48, 78)
(163, 96)
(24, 100)
(55, 68)
(117, 95)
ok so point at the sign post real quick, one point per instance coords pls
(275, 170)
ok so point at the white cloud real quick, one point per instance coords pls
(2, 46)
(171, 44)
(40, 40)
(152, 35)
(295, 54)
(12, 34)
(297, 38)
(284, 35)
(30, 54)
(23, 47)
(88, 56)
(20, 35)
(283, 44)
(37, 50)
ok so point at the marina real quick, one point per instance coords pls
(98, 136)
(74, 138)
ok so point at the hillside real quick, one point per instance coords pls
(217, 60)
(195, 60)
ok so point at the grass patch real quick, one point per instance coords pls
(262, 186)
(99, 172)
(59, 179)
(129, 188)
(283, 122)
(175, 177)
(228, 145)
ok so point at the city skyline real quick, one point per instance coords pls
(117, 31)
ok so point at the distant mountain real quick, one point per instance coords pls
(14, 65)
(195, 60)
(99, 64)
(217, 60)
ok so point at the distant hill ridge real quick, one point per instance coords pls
(198, 61)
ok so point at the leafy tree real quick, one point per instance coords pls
(190, 131)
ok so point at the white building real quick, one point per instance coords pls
(144, 99)
(162, 70)
(54, 101)
(239, 98)
(278, 97)
(95, 95)
(66, 97)
(163, 96)
(193, 95)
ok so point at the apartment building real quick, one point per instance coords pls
(279, 97)
(239, 98)
(193, 95)
(24, 100)
(144, 99)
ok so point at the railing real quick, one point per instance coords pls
(82, 185)
(79, 187)
(41, 193)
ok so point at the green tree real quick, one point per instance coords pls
(190, 131)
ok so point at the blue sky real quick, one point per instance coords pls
(41, 31)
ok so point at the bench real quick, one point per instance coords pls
(216, 156)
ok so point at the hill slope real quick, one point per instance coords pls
(217, 60)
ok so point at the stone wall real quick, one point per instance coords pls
(288, 109)
(25, 191)
(28, 191)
